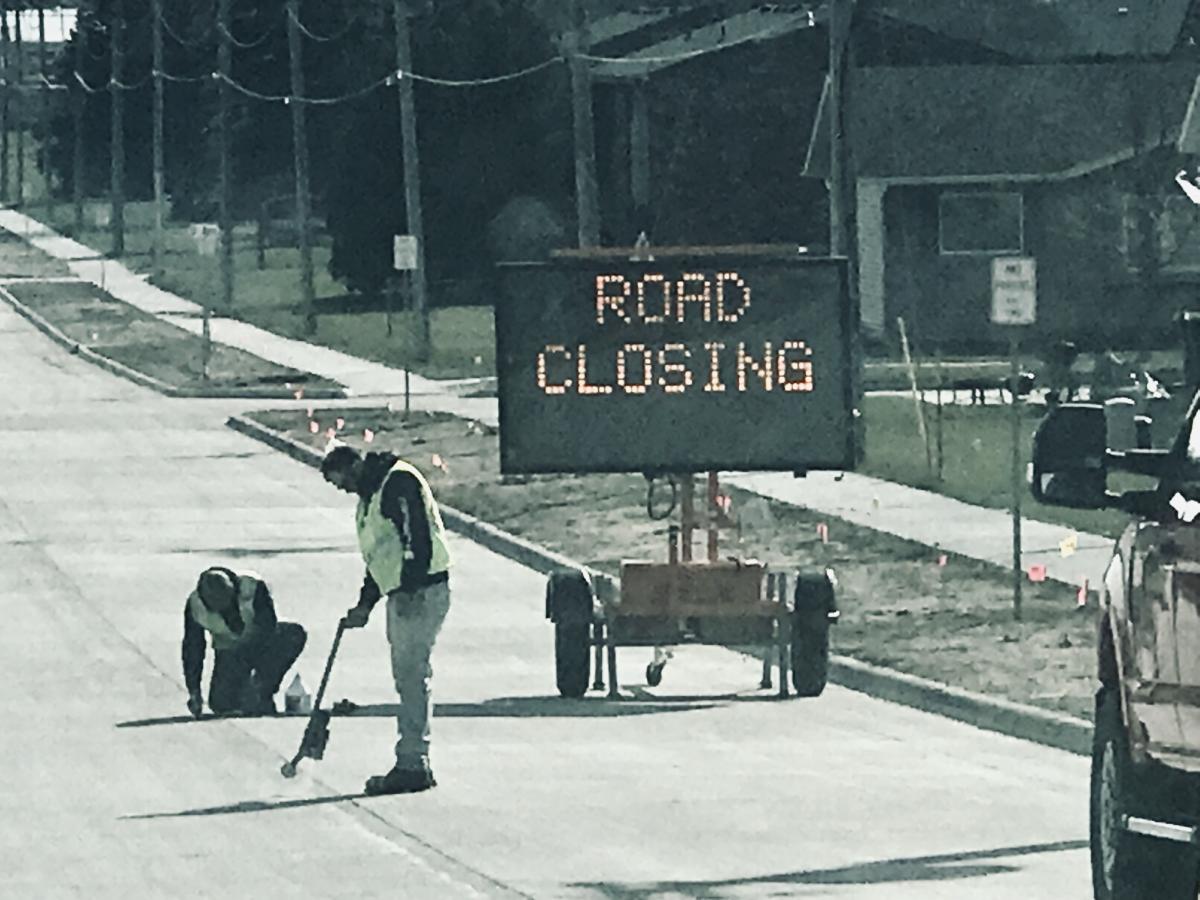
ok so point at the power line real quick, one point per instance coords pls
(246, 45)
(120, 85)
(315, 101)
(87, 87)
(321, 38)
(187, 42)
(479, 82)
(393, 77)
(183, 79)
(111, 82)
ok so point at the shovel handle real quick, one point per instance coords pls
(288, 769)
(337, 639)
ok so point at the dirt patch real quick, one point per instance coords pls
(20, 260)
(901, 607)
(94, 319)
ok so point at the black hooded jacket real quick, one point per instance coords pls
(402, 505)
(195, 640)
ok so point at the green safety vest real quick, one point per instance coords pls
(214, 623)
(384, 549)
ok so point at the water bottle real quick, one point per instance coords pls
(296, 698)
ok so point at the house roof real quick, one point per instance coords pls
(619, 24)
(1044, 30)
(986, 123)
(679, 41)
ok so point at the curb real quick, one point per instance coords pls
(111, 365)
(1030, 723)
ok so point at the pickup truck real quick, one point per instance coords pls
(1145, 771)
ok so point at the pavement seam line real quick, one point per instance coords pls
(1041, 726)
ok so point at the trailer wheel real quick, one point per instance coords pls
(814, 611)
(572, 658)
(1127, 866)
(569, 601)
(810, 654)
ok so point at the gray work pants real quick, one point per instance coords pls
(413, 623)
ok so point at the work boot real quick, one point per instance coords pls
(256, 699)
(402, 781)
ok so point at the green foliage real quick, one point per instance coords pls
(479, 147)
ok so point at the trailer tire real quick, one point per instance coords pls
(1127, 866)
(569, 602)
(809, 654)
(814, 611)
(572, 658)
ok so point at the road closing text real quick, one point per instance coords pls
(713, 366)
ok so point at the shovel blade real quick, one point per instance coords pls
(316, 735)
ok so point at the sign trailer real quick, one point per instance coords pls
(686, 360)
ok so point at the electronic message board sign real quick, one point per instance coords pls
(692, 360)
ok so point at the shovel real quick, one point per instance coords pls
(316, 732)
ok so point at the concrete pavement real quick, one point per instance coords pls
(111, 501)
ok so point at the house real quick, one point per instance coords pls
(1021, 129)
(703, 114)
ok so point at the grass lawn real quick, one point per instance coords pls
(977, 453)
(270, 297)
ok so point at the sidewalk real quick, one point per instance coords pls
(921, 516)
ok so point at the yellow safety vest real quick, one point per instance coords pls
(384, 549)
(214, 623)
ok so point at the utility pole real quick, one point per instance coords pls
(1018, 576)
(77, 110)
(837, 180)
(45, 94)
(4, 107)
(587, 203)
(225, 213)
(22, 109)
(412, 175)
(300, 155)
(157, 50)
(117, 144)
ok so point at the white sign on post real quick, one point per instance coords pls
(404, 252)
(1014, 290)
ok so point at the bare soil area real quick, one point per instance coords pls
(904, 605)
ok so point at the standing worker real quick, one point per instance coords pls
(252, 650)
(404, 547)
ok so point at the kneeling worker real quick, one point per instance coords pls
(252, 650)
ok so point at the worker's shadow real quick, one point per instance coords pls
(250, 806)
(639, 704)
(937, 867)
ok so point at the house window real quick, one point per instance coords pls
(981, 222)
(1175, 223)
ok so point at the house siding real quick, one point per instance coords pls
(1086, 292)
(727, 135)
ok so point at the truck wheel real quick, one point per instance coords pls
(810, 653)
(1128, 866)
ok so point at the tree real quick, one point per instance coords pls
(480, 145)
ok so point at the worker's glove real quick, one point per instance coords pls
(356, 617)
(195, 704)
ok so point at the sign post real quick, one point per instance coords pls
(1014, 303)
(404, 259)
